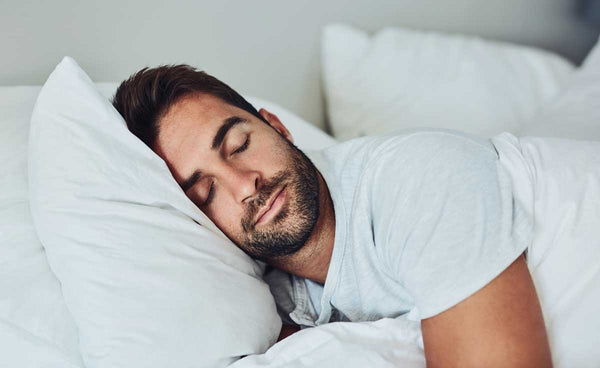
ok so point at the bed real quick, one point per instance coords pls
(46, 320)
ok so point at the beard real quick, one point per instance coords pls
(289, 230)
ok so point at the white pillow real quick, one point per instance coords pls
(401, 78)
(147, 286)
(575, 113)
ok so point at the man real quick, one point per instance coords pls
(421, 222)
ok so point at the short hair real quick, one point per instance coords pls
(146, 96)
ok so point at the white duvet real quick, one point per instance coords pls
(384, 343)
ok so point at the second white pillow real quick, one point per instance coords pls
(401, 78)
(575, 113)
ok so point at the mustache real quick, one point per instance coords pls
(265, 192)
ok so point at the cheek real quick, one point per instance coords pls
(272, 157)
(226, 216)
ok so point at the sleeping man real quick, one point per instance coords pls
(419, 222)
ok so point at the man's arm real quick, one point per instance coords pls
(501, 325)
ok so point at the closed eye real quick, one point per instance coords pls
(211, 193)
(243, 147)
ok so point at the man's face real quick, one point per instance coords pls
(245, 175)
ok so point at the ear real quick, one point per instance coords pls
(276, 124)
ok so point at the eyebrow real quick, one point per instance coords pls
(216, 143)
(187, 184)
(222, 132)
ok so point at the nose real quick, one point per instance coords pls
(243, 184)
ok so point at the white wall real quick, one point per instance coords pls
(267, 48)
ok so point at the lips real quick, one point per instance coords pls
(268, 206)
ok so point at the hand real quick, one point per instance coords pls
(287, 330)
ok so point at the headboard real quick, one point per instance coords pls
(265, 48)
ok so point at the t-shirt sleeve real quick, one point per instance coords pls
(444, 219)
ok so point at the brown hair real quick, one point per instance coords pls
(146, 96)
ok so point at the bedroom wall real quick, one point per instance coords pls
(266, 48)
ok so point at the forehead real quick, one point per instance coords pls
(188, 126)
(195, 111)
(192, 118)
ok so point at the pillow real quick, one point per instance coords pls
(401, 78)
(146, 284)
(575, 113)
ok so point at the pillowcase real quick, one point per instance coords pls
(575, 113)
(146, 284)
(401, 78)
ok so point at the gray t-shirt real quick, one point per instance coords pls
(424, 219)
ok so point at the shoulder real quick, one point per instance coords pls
(413, 143)
(429, 181)
(418, 168)
(414, 156)
(428, 144)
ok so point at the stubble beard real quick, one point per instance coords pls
(290, 229)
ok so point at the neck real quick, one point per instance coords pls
(312, 260)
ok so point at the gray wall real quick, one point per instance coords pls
(266, 48)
